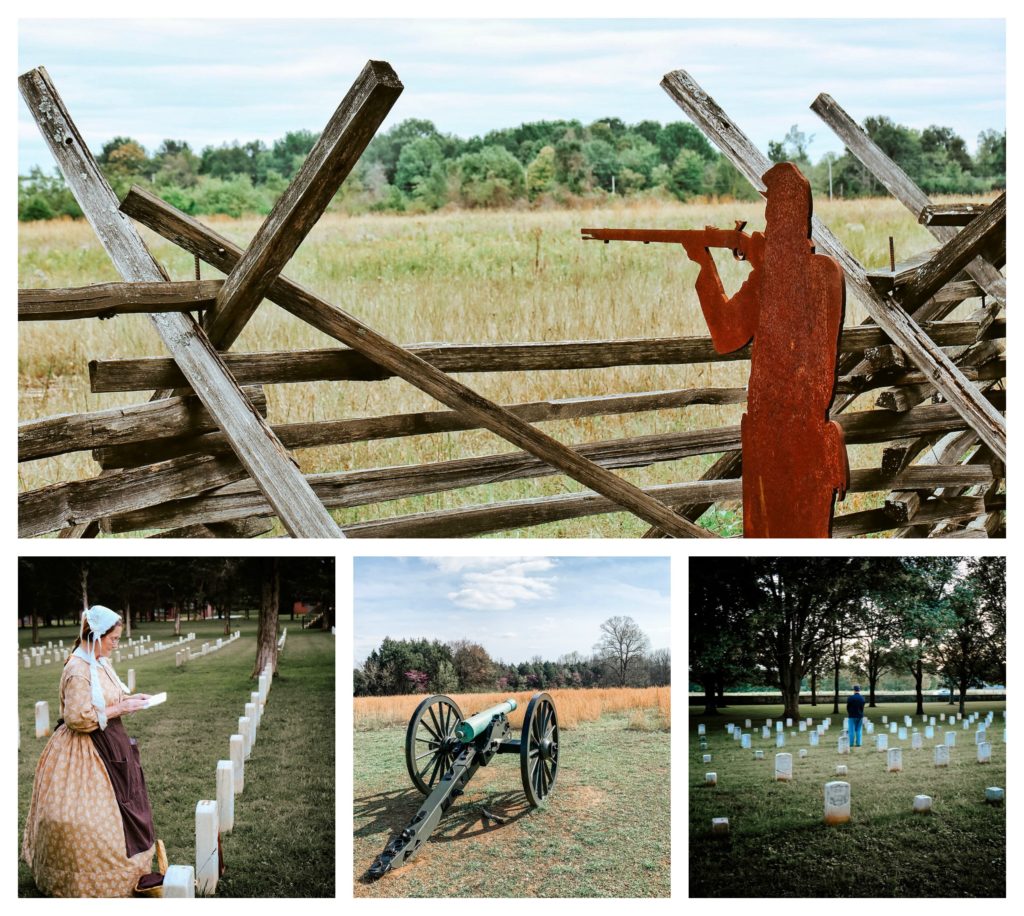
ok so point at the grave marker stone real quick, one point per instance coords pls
(720, 825)
(922, 804)
(814, 739)
(759, 755)
(915, 741)
(803, 752)
(711, 779)
(131, 680)
(984, 752)
(783, 767)
(745, 742)
(780, 740)
(903, 734)
(837, 802)
(882, 743)
(892, 728)
(42, 719)
(951, 739)
(844, 744)
(994, 795)
(942, 755)
(895, 760)
(207, 857)
(180, 882)
(245, 730)
(701, 729)
(841, 769)
(929, 731)
(225, 796)
(237, 746)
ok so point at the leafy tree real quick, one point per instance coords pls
(415, 162)
(680, 135)
(493, 177)
(622, 647)
(472, 664)
(686, 178)
(603, 162)
(540, 173)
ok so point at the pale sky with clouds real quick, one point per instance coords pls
(515, 607)
(214, 81)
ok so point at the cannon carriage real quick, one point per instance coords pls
(444, 749)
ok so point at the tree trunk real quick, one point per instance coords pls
(872, 681)
(177, 619)
(814, 686)
(963, 696)
(710, 707)
(266, 636)
(128, 617)
(790, 687)
(836, 698)
(84, 580)
(227, 616)
(918, 684)
(720, 690)
(35, 627)
(952, 692)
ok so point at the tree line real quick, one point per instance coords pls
(794, 623)
(414, 167)
(621, 657)
(53, 591)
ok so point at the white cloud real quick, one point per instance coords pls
(498, 584)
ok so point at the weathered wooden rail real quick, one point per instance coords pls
(201, 458)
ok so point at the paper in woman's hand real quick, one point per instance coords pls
(156, 700)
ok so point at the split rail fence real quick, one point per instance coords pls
(199, 459)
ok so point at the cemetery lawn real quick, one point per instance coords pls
(778, 845)
(603, 831)
(283, 840)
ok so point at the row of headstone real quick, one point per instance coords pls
(284, 636)
(214, 818)
(186, 655)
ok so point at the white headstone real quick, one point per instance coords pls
(892, 728)
(720, 825)
(250, 714)
(780, 740)
(931, 720)
(768, 722)
(778, 727)
(746, 723)
(255, 698)
(922, 804)
(759, 755)
(789, 723)
(737, 734)
(942, 755)
(745, 742)
(783, 767)
(915, 741)
(707, 758)
(766, 732)
(929, 731)
(841, 769)
(26, 661)
(814, 739)
(237, 748)
(882, 743)
(869, 726)
(994, 795)
(907, 721)
(903, 734)
(803, 726)
(225, 795)
(837, 802)
(803, 752)
(729, 727)
(950, 739)
(984, 752)
(942, 717)
(701, 730)
(711, 779)
(42, 719)
(979, 736)
(885, 720)
(207, 857)
(263, 687)
(131, 680)
(895, 760)
(844, 744)
(180, 881)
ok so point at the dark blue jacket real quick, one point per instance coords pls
(855, 707)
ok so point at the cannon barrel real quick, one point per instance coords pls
(469, 728)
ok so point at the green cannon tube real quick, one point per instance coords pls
(469, 728)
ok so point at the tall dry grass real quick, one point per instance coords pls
(448, 277)
(573, 706)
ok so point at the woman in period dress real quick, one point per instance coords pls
(90, 831)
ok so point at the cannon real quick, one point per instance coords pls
(444, 749)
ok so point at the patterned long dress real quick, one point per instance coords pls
(83, 838)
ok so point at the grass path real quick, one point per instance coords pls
(283, 839)
(778, 845)
(603, 831)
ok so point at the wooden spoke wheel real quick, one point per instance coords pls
(430, 742)
(538, 748)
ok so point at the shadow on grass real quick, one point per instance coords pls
(387, 813)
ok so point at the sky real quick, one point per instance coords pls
(212, 81)
(515, 607)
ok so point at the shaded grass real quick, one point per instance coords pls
(282, 844)
(603, 831)
(456, 277)
(778, 845)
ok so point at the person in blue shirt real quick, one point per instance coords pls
(855, 716)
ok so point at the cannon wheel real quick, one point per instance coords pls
(430, 742)
(538, 748)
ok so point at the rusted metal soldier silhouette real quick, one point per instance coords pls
(794, 458)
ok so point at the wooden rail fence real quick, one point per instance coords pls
(201, 457)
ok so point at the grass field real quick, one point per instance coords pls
(453, 277)
(778, 845)
(282, 844)
(603, 831)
